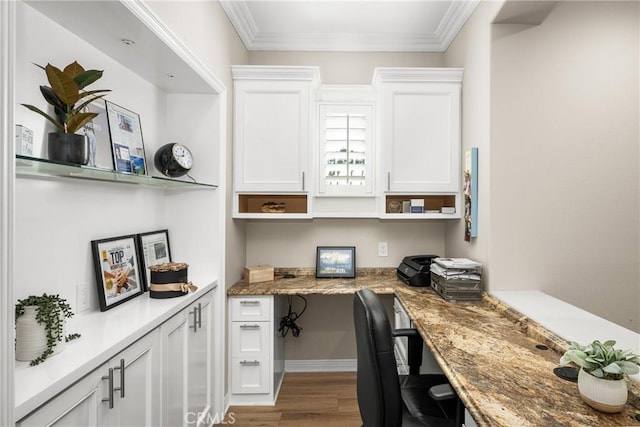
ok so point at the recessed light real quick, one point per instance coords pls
(127, 42)
(171, 76)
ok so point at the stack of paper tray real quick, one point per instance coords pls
(457, 279)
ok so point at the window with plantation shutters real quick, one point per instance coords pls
(345, 149)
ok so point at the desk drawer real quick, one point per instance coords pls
(250, 339)
(250, 375)
(251, 308)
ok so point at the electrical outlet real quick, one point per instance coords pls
(82, 297)
(383, 249)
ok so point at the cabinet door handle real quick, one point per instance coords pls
(256, 326)
(302, 181)
(250, 302)
(200, 315)
(250, 362)
(389, 181)
(110, 378)
(195, 319)
(121, 369)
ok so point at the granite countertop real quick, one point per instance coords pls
(487, 350)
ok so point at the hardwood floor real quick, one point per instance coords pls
(305, 400)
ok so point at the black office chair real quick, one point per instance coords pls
(385, 398)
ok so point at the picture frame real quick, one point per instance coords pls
(97, 130)
(336, 262)
(116, 265)
(154, 249)
(127, 146)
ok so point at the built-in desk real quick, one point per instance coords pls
(487, 349)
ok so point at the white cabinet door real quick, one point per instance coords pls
(187, 370)
(139, 404)
(131, 398)
(420, 133)
(272, 136)
(80, 405)
(199, 379)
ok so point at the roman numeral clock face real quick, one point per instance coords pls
(173, 160)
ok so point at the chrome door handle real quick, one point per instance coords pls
(121, 369)
(110, 378)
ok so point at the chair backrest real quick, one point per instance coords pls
(378, 386)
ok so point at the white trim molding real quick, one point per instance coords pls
(269, 72)
(417, 74)
(321, 365)
(7, 186)
(240, 16)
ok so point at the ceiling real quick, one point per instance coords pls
(348, 26)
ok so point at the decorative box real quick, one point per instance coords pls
(258, 273)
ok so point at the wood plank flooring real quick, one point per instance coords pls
(305, 400)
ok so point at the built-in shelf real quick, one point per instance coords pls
(43, 168)
(289, 203)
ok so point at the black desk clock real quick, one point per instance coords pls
(173, 160)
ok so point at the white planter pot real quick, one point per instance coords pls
(604, 395)
(31, 337)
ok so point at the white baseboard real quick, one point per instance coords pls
(321, 365)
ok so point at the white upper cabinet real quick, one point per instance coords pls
(273, 113)
(419, 119)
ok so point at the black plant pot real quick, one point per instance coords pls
(69, 148)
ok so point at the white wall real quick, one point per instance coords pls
(564, 163)
(217, 45)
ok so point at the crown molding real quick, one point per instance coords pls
(242, 20)
(268, 72)
(417, 74)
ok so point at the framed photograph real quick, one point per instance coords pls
(117, 270)
(154, 249)
(127, 147)
(336, 261)
(97, 130)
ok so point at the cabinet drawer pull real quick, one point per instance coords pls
(388, 181)
(249, 302)
(110, 378)
(302, 181)
(250, 362)
(256, 326)
(121, 369)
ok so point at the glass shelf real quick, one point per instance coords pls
(43, 168)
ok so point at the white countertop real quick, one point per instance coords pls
(104, 334)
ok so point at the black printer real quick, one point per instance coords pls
(415, 270)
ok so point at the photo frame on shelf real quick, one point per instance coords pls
(117, 270)
(154, 249)
(127, 146)
(336, 262)
(97, 130)
(470, 192)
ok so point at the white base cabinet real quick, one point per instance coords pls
(257, 350)
(187, 366)
(125, 391)
(164, 378)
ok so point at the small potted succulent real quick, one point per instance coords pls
(40, 327)
(602, 369)
(65, 93)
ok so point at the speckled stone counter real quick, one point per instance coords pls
(487, 350)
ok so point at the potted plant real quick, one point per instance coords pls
(601, 378)
(40, 327)
(65, 93)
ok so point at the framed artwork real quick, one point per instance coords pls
(117, 270)
(154, 249)
(97, 130)
(470, 192)
(336, 261)
(127, 147)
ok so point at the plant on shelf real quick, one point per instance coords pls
(65, 93)
(602, 369)
(40, 327)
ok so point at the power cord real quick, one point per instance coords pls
(288, 322)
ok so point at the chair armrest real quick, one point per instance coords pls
(406, 332)
(442, 392)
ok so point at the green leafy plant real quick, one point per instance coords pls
(602, 360)
(51, 310)
(67, 97)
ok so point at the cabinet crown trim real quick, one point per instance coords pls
(266, 72)
(416, 74)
